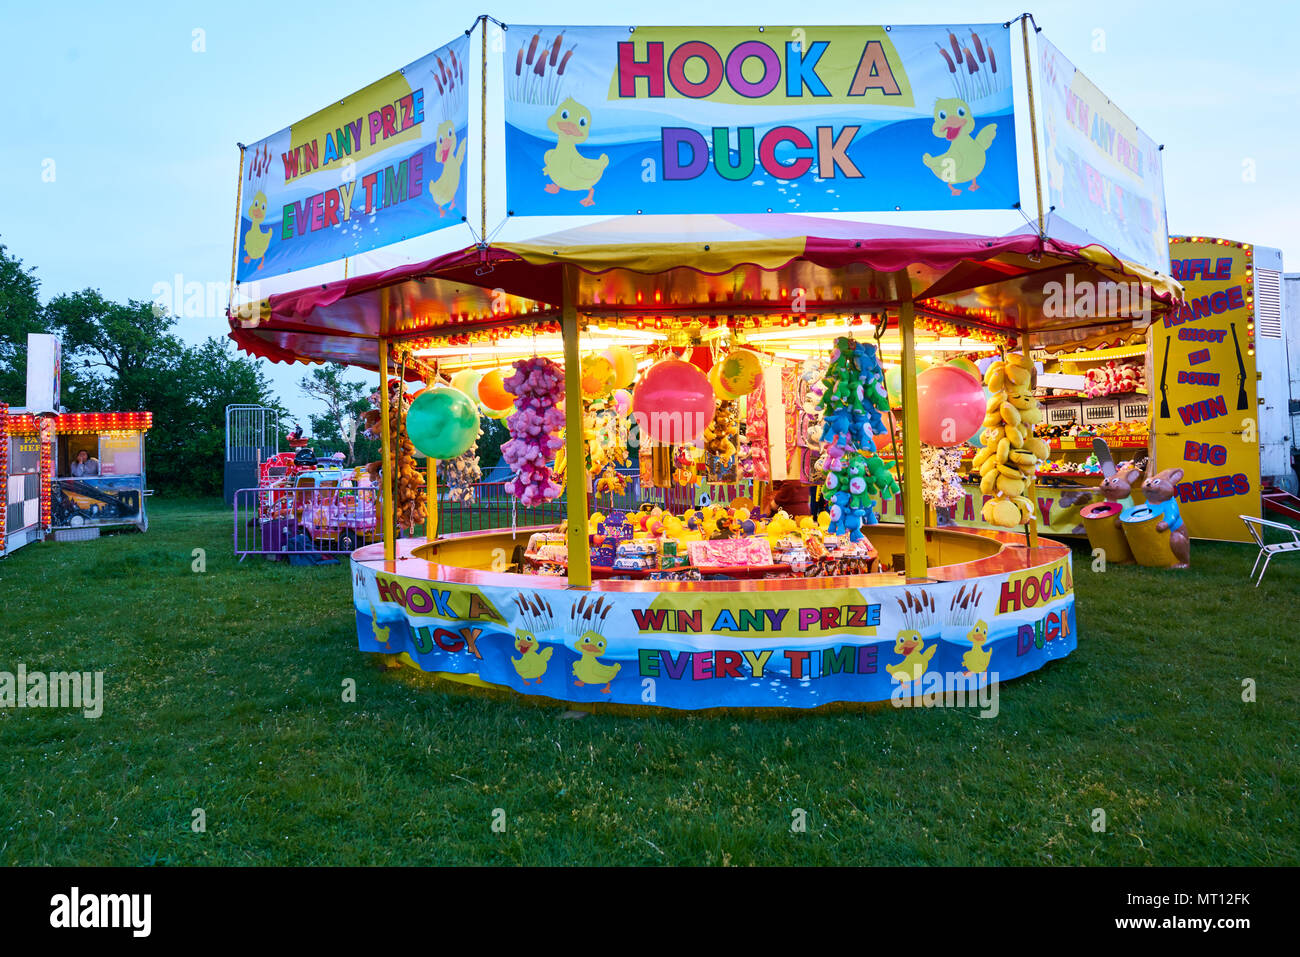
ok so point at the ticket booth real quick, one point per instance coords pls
(99, 475)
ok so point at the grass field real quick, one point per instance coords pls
(223, 692)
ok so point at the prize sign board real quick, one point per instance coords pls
(618, 120)
(1103, 174)
(1204, 411)
(753, 649)
(382, 165)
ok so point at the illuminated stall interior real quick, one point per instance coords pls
(782, 285)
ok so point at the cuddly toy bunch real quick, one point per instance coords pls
(538, 387)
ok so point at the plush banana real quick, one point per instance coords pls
(1008, 463)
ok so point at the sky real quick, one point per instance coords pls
(121, 120)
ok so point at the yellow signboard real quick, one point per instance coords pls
(1204, 418)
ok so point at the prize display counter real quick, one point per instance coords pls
(990, 609)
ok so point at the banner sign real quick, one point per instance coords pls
(380, 166)
(44, 372)
(758, 119)
(1103, 174)
(753, 649)
(1204, 410)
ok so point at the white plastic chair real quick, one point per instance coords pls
(1258, 528)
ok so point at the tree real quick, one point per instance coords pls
(344, 402)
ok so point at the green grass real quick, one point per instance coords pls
(224, 693)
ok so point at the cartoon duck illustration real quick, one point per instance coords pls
(451, 156)
(257, 239)
(533, 657)
(587, 670)
(964, 160)
(916, 657)
(976, 660)
(567, 168)
(380, 633)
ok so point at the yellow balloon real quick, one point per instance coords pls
(466, 380)
(740, 372)
(597, 377)
(719, 388)
(624, 364)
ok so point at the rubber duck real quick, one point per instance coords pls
(533, 657)
(587, 670)
(567, 168)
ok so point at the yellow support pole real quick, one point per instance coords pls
(913, 505)
(431, 503)
(1033, 124)
(386, 473)
(574, 451)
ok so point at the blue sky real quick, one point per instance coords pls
(139, 129)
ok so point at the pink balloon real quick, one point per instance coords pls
(950, 405)
(673, 402)
(623, 402)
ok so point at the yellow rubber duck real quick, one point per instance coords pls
(567, 168)
(257, 239)
(443, 189)
(533, 657)
(916, 657)
(587, 669)
(965, 157)
(976, 660)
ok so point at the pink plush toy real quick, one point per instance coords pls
(538, 387)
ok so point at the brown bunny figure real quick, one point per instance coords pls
(1117, 484)
(1160, 491)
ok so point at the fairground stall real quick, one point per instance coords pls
(716, 339)
(653, 608)
(71, 474)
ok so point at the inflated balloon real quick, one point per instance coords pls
(623, 402)
(950, 405)
(673, 402)
(624, 363)
(894, 384)
(597, 377)
(715, 383)
(961, 362)
(466, 380)
(740, 372)
(492, 391)
(442, 423)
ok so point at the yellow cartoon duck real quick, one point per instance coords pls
(533, 657)
(381, 634)
(567, 168)
(916, 657)
(587, 669)
(976, 660)
(965, 157)
(443, 189)
(257, 239)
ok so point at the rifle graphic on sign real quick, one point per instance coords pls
(1164, 389)
(1242, 401)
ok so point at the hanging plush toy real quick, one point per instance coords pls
(1008, 462)
(719, 446)
(538, 387)
(409, 489)
(940, 476)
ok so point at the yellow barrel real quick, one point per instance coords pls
(1149, 546)
(1099, 522)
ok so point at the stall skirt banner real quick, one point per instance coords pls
(758, 119)
(692, 650)
(380, 166)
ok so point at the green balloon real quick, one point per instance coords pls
(442, 423)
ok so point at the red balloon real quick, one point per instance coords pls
(673, 402)
(950, 405)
